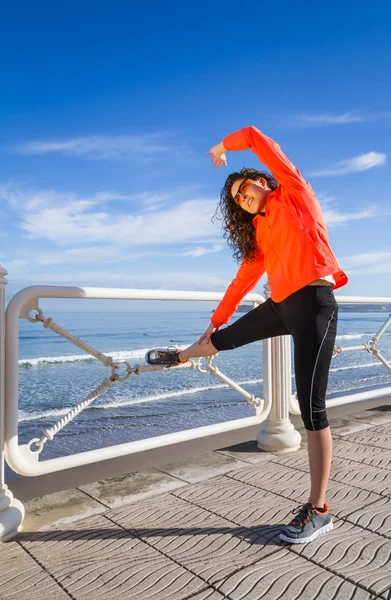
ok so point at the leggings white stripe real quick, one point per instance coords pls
(316, 362)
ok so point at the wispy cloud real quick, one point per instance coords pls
(334, 216)
(323, 119)
(112, 254)
(103, 147)
(203, 250)
(161, 279)
(68, 219)
(368, 263)
(359, 163)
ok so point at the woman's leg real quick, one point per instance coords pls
(197, 350)
(258, 324)
(314, 337)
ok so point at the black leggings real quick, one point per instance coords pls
(310, 316)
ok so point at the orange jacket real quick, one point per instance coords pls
(292, 239)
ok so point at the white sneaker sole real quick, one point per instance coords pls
(324, 529)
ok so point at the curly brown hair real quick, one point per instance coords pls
(237, 223)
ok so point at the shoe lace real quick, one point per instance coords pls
(304, 513)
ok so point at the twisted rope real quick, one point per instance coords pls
(50, 324)
(49, 434)
(108, 361)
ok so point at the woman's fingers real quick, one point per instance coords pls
(216, 159)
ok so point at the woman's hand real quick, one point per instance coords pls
(218, 155)
(205, 338)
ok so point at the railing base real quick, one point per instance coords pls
(278, 436)
(11, 514)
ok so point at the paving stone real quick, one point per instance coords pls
(59, 508)
(98, 559)
(166, 515)
(379, 417)
(208, 594)
(22, 578)
(343, 427)
(301, 462)
(373, 416)
(295, 486)
(248, 452)
(207, 544)
(201, 467)
(376, 517)
(365, 477)
(383, 429)
(359, 556)
(378, 437)
(131, 488)
(284, 574)
(222, 489)
(352, 451)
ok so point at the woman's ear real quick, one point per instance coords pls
(263, 181)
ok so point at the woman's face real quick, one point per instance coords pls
(251, 195)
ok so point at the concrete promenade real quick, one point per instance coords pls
(208, 529)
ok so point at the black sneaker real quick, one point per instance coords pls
(308, 524)
(163, 356)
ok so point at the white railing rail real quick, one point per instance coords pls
(25, 304)
(273, 411)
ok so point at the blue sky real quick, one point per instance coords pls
(108, 110)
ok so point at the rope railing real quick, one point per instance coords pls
(108, 361)
(138, 369)
(370, 346)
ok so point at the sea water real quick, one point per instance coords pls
(55, 375)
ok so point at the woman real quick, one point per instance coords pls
(279, 228)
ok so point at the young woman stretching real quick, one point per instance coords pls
(274, 223)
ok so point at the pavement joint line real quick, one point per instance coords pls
(237, 525)
(247, 462)
(162, 553)
(96, 499)
(360, 462)
(346, 518)
(171, 475)
(38, 562)
(290, 547)
(301, 469)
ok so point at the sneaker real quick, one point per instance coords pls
(308, 524)
(163, 356)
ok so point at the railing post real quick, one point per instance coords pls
(11, 510)
(277, 432)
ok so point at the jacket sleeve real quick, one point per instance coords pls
(246, 279)
(269, 153)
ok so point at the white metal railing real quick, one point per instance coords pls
(273, 411)
(24, 458)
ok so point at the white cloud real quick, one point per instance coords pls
(67, 219)
(160, 280)
(111, 254)
(75, 221)
(102, 147)
(368, 263)
(362, 162)
(202, 250)
(323, 119)
(334, 216)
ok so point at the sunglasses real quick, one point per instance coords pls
(238, 196)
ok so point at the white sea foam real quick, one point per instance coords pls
(24, 416)
(125, 354)
(72, 358)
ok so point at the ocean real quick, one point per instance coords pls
(54, 376)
